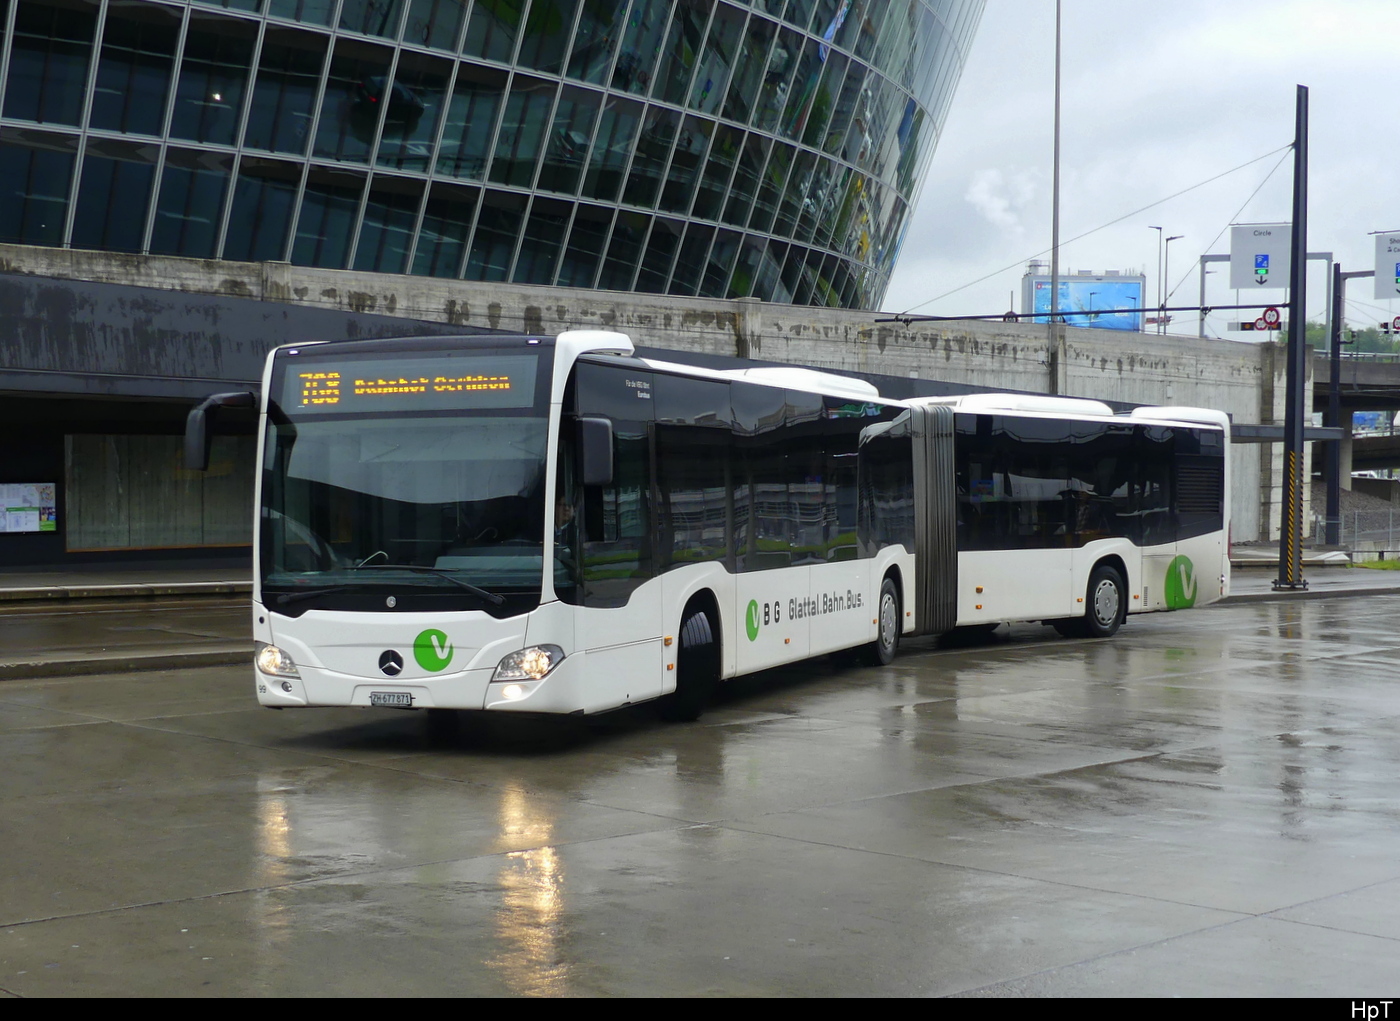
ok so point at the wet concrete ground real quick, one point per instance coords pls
(1204, 805)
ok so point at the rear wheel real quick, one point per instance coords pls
(697, 669)
(882, 651)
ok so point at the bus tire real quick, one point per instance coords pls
(881, 652)
(1107, 599)
(697, 670)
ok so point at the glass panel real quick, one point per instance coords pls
(724, 255)
(416, 103)
(801, 92)
(847, 112)
(49, 61)
(372, 17)
(133, 73)
(691, 261)
(742, 282)
(624, 251)
(497, 228)
(567, 152)
(661, 250)
(595, 39)
(213, 75)
(37, 172)
(434, 23)
(442, 240)
(522, 131)
(289, 71)
(616, 129)
(387, 228)
(775, 181)
(492, 29)
(683, 40)
(717, 62)
(857, 32)
(824, 99)
(684, 172)
(749, 74)
(547, 35)
(234, 5)
(777, 80)
(585, 249)
(471, 117)
(646, 23)
(328, 211)
(742, 189)
(649, 162)
(262, 210)
(539, 248)
(313, 12)
(709, 200)
(191, 203)
(113, 196)
(350, 108)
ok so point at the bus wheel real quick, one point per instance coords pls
(881, 651)
(1108, 602)
(697, 670)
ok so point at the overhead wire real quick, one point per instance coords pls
(1103, 226)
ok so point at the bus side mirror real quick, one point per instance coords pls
(595, 451)
(199, 436)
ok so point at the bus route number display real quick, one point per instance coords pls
(367, 385)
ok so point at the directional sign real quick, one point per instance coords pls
(1388, 265)
(1271, 317)
(1260, 255)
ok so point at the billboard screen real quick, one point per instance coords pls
(1093, 302)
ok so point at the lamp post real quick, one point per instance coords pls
(1160, 300)
(1167, 247)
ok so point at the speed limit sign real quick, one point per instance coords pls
(1396, 323)
(1272, 317)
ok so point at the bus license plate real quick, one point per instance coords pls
(395, 699)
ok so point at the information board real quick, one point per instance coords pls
(450, 382)
(1388, 266)
(28, 507)
(1261, 256)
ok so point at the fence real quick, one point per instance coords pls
(1363, 530)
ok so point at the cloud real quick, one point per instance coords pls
(1001, 198)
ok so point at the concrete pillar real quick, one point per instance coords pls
(1344, 451)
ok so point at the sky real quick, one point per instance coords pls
(1157, 97)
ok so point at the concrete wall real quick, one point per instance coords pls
(1245, 380)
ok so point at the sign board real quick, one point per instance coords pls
(1260, 256)
(1388, 265)
(28, 507)
(1272, 317)
(1098, 302)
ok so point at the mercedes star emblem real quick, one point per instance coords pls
(391, 663)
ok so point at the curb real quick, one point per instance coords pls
(1317, 593)
(103, 664)
(147, 591)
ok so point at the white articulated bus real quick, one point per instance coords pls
(557, 525)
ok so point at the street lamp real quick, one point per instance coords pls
(1167, 246)
(1160, 300)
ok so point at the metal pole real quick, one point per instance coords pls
(1290, 552)
(1334, 414)
(1055, 225)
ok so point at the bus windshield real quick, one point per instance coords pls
(400, 492)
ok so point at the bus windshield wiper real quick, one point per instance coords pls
(287, 598)
(442, 572)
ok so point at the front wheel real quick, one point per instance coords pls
(1108, 602)
(881, 652)
(697, 670)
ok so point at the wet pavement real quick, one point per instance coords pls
(1203, 805)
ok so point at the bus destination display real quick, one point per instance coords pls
(413, 384)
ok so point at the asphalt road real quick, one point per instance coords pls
(1203, 805)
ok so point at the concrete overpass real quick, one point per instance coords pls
(50, 339)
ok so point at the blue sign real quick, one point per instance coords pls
(1261, 262)
(1095, 303)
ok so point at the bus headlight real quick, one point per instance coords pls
(273, 661)
(528, 664)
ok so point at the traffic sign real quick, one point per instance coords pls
(1388, 266)
(1395, 323)
(1260, 255)
(1261, 323)
(1272, 317)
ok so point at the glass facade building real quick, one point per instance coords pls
(721, 148)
